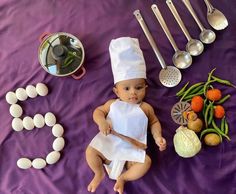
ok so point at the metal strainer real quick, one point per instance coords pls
(169, 76)
(177, 112)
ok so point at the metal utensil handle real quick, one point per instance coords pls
(178, 19)
(162, 22)
(193, 13)
(150, 38)
(210, 8)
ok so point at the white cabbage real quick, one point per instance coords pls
(186, 142)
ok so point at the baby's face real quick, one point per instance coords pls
(131, 91)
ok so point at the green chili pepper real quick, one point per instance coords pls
(210, 130)
(222, 124)
(210, 74)
(226, 127)
(222, 81)
(211, 114)
(191, 88)
(217, 129)
(181, 91)
(222, 100)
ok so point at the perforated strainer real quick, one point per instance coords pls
(169, 76)
(177, 112)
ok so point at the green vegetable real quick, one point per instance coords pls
(222, 125)
(181, 91)
(196, 90)
(222, 81)
(210, 74)
(222, 100)
(206, 86)
(219, 131)
(204, 106)
(189, 97)
(191, 88)
(226, 127)
(206, 114)
(68, 61)
(211, 114)
(210, 130)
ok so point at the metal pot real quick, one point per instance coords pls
(62, 54)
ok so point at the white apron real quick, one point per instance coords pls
(127, 119)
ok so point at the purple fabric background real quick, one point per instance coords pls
(95, 23)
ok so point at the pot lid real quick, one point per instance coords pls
(61, 54)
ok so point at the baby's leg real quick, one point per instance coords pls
(95, 161)
(135, 170)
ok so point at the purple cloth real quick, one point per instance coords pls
(95, 23)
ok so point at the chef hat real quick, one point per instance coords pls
(127, 61)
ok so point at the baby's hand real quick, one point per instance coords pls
(161, 142)
(105, 127)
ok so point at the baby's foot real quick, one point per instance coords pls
(119, 186)
(95, 182)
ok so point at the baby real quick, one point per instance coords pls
(128, 115)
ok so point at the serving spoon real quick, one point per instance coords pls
(169, 76)
(181, 59)
(215, 18)
(194, 46)
(207, 36)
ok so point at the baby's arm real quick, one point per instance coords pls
(155, 127)
(99, 117)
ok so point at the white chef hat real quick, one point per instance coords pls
(127, 61)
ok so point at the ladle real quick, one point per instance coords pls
(194, 47)
(215, 18)
(181, 59)
(206, 36)
(169, 76)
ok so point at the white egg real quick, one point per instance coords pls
(57, 130)
(50, 119)
(31, 91)
(39, 163)
(28, 123)
(42, 89)
(24, 163)
(16, 110)
(11, 98)
(17, 124)
(53, 157)
(21, 94)
(39, 121)
(58, 144)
